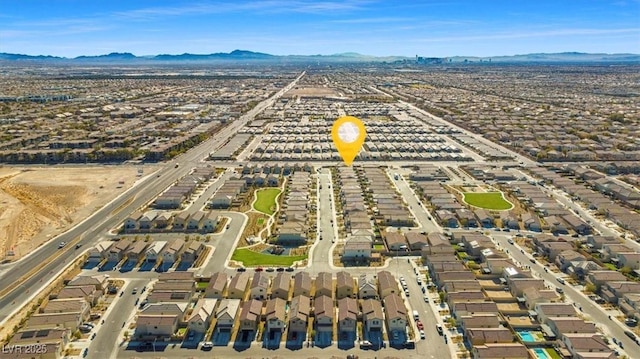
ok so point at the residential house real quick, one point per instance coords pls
(395, 313)
(86, 292)
(250, 314)
(612, 292)
(259, 286)
(191, 251)
(366, 287)
(172, 252)
(500, 351)
(275, 314)
(324, 285)
(372, 315)
(67, 320)
(533, 296)
(131, 223)
(548, 310)
(238, 286)
(162, 220)
(600, 277)
(357, 248)
(629, 259)
(195, 220)
(387, 284)
(161, 325)
(586, 345)
(147, 220)
(180, 220)
(484, 218)
(98, 281)
(395, 241)
(136, 252)
(481, 336)
(117, 251)
(226, 313)
(201, 315)
(323, 311)
(471, 308)
(280, 286)
(154, 251)
(347, 314)
(479, 320)
(344, 285)
(299, 313)
(302, 284)
(217, 286)
(568, 325)
(209, 222)
(416, 240)
(51, 341)
(69, 305)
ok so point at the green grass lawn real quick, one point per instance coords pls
(266, 200)
(260, 221)
(489, 200)
(553, 353)
(253, 259)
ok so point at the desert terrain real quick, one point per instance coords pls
(38, 203)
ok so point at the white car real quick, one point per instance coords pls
(426, 299)
(422, 335)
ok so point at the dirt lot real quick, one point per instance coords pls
(37, 203)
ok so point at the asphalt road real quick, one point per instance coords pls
(105, 343)
(321, 257)
(593, 311)
(109, 217)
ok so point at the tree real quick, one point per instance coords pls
(442, 295)
(590, 288)
(625, 270)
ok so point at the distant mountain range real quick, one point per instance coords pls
(243, 55)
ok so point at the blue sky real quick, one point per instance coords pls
(402, 27)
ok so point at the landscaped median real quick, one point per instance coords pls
(251, 258)
(487, 200)
(266, 200)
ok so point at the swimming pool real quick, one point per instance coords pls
(541, 353)
(526, 336)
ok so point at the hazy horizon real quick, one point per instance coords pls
(376, 28)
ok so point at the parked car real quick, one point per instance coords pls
(422, 335)
(439, 328)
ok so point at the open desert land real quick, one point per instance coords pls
(37, 203)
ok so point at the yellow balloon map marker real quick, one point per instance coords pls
(348, 134)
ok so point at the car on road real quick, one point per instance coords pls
(62, 244)
(270, 269)
(630, 335)
(78, 245)
(134, 291)
(510, 241)
(419, 281)
(426, 298)
(439, 328)
(422, 335)
(532, 260)
(289, 269)
(560, 280)
(207, 346)
(419, 325)
(242, 269)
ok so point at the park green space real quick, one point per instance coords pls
(250, 258)
(487, 200)
(266, 200)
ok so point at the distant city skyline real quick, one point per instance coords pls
(437, 28)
